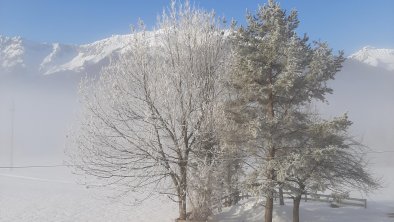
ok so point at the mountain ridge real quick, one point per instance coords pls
(376, 57)
(19, 55)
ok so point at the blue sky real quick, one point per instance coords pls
(344, 24)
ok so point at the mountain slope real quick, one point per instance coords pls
(383, 58)
(18, 55)
(24, 56)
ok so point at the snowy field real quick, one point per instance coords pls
(380, 207)
(251, 211)
(41, 194)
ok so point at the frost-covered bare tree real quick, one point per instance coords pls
(205, 192)
(148, 116)
(278, 72)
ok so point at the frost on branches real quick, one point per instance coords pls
(201, 114)
(322, 156)
(276, 77)
(148, 121)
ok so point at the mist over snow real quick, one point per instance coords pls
(40, 111)
(41, 80)
(39, 103)
(366, 93)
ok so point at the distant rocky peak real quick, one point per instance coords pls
(383, 58)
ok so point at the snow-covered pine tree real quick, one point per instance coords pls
(276, 72)
(321, 155)
(235, 136)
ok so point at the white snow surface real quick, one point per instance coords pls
(253, 211)
(17, 53)
(11, 52)
(383, 58)
(380, 205)
(52, 195)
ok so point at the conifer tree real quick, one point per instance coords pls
(276, 73)
(322, 156)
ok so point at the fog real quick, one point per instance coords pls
(366, 93)
(46, 107)
(38, 111)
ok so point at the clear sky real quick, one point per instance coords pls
(345, 24)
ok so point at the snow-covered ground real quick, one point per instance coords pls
(52, 194)
(253, 211)
(48, 195)
(380, 205)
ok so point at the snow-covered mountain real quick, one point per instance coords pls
(23, 56)
(18, 55)
(383, 58)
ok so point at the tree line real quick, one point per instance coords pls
(199, 110)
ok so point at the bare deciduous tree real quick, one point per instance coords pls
(145, 118)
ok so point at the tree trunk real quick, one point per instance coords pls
(281, 200)
(182, 193)
(296, 208)
(269, 203)
(269, 206)
(182, 208)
